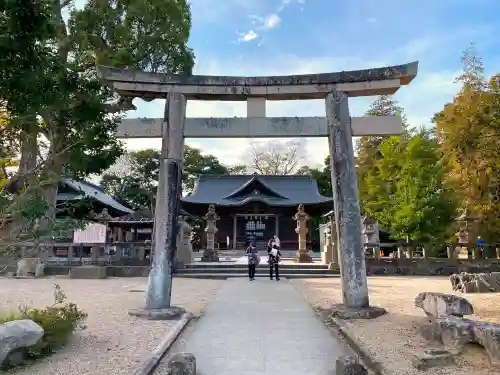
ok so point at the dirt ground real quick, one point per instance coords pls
(113, 343)
(392, 339)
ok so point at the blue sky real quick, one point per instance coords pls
(261, 37)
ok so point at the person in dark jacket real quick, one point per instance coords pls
(253, 260)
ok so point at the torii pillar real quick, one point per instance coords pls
(356, 303)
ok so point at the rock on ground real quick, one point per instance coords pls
(114, 343)
(181, 364)
(476, 282)
(436, 305)
(18, 334)
(392, 339)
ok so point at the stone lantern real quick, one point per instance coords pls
(301, 229)
(371, 239)
(330, 253)
(462, 235)
(210, 253)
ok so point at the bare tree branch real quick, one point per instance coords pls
(275, 160)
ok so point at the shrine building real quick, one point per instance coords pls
(252, 208)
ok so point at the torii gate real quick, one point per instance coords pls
(338, 126)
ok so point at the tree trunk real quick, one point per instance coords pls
(27, 164)
(51, 176)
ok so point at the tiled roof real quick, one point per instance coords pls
(86, 189)
(238, 190)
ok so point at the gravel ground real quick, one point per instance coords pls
(113, 343)
(392, 339)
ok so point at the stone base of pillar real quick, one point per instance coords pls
(342, 312)
(210, 255)
(169, 313)
(303, 256)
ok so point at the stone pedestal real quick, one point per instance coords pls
(301, 218)
(210, 253)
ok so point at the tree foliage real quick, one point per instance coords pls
(405, 190)
(51, 47)
(468, 129)
(368, 147)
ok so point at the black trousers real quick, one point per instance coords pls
(251, 270)
(274, 267)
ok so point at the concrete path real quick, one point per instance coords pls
(261, 327)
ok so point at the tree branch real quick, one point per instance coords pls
(123, 104)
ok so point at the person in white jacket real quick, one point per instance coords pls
(273, 250)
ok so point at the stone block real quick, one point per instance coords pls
(476, 282)
(457, 332)
(210, 255)
(437, 305)
(27, 267)
(303, 257)
(181, 364)
(432, 358)
(343, 312)
(88, 272)
(39, 270)
(15, 338)
(349, 366)
(488, 336)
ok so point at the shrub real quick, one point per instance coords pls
(59, 321)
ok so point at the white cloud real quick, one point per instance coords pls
(272, 21)
(251, 35)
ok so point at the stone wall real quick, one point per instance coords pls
(375, 267)
(429, 267)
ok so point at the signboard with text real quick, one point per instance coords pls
(93, 233)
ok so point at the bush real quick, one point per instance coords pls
(59, 321)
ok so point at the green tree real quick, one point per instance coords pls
(78, 114)
(406, 191)
(368, 147)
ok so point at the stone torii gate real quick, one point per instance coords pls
(338, 126)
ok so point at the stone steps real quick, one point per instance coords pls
(259, 270)
(303, 266)
(223, 276)
(222, 270)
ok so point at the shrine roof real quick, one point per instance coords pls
(79, 189)
(238, 190)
